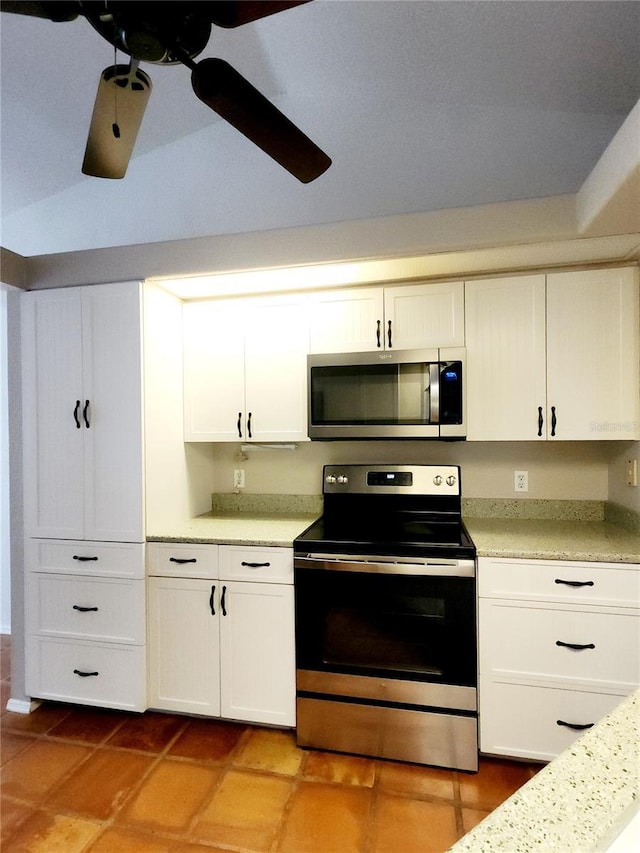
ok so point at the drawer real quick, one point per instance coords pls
(108, 609)
(245, 563)
(110, 676)
(523, 721)
(67, 556)
(528, 643)
(182, 559)
(605, 584)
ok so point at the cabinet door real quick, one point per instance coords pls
(592, 354)
(506, 364)
(347, 320)
(112, 413)
(276, 371)
(258, 653)
(424, 315)
(52, 412)
(214, 408)
(184, 649)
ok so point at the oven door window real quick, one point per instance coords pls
(395, 626)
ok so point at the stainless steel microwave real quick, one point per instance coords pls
(391, 394)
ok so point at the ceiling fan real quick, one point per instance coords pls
(167, 33)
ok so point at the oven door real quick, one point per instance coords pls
(387, 630)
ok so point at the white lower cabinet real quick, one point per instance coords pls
(221, 646)
(559, 648)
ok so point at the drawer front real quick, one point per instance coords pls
(182, 559)
(536, 643)
(116, 559)
(606, 584)
(269, 565)
(534, 722)
(111, 610)
(110, 676)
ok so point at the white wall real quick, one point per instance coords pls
(5, 559)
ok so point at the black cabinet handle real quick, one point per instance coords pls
(223, 601)
(85, 414)
(85, 674)
(574, 583)
(540, 421)
(85, 609)
(76, 414)
(378, 334)
(575, 726)
(249, 425)
(576, 646)
(389, 335)
(211, 600)
(84, 559)
(255, 565)
(239, 424)
(554, 420)
(182, 560)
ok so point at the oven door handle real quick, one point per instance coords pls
(335, 563)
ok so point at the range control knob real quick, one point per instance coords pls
(451, 480)
(342, 478)
(437, 480)
(330, 478)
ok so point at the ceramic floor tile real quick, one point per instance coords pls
(326, 819)
(472, 817)
(412, 826)
(245, 811)
(46, 833)
(270, 749)
(11, 744)
(208, 740)
(415, 780)
(493, 783)
(40, 721)
(343, 769)
(12, 814)
(90, 725)
(149, 732)
(35, 771)
(101, 785)
(123, 840)
(5, 662)
(171, 795)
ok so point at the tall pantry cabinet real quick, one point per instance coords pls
(84, 514)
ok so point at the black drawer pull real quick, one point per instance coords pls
(378, 333)
(576, 646)
(239, 425)
(182, 560)
(389, 334)
(554, 420)
(85, 609)
(255, 565)
(76, 411)
(211, 600)
(223, 603)
(575, 726)
(574, 583)
(85, 674)
(84, 559)
(85, 414)
(540, 421)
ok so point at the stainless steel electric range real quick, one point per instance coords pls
(385, 588)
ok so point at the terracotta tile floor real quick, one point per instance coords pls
(83, 780)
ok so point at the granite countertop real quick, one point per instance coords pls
(237, 528)
(579, 802)
(547, 539)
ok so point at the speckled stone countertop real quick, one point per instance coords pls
(577, 803)
(273, 520)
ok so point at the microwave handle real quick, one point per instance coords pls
(434, 393)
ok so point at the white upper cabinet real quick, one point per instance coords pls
(82, 403)
(407, 317)
(506, 361)
(593, 359)
(245, 370)
(553, 357)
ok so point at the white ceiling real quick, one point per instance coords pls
(421, 105)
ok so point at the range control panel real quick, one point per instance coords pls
(392, 479)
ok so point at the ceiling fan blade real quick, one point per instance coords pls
(227, 92)
(235, 13)
(55, 11)
(123, 92)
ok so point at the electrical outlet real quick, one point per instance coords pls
(632, 472)
(238, 478)
(521, 481)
